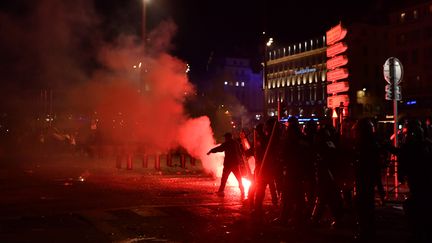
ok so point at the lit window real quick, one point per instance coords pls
(242, 84)
(226, 82)
(402, 17)
(237, 83)
(415, 14)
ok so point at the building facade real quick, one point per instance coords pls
(295, 82)
(237, 89)
(297, 76)
(410, 39)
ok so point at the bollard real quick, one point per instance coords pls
(129, 161)
(118, 161)
(145, 161)
(157, 162)
(192, 161)
(169, 159)
(183, 161)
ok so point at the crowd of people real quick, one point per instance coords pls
(314, 167)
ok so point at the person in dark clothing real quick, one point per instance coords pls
(260, 146)
(293, 203)
(265, 170)
(328, 192)
(231, 163)
(367, 154)
(415, 158)
(310, 158)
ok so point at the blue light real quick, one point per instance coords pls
(411, 102)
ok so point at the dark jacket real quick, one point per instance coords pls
(232, 152)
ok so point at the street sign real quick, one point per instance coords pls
(389, 92)
(337, 74)
(337, 61)
(393, 93)
(337, 87)
(335, 34)
(336, 49)
(335, 101)
(397, 73)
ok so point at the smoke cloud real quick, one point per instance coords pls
(145, 102)
(136, 92)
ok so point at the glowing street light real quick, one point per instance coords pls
(269, 42)
(265, 81)
(187, 68)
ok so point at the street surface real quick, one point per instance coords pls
(77, 199)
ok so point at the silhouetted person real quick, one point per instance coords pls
(267, 170)
(328, 192)
(367, 153)
(415, 167)
(231, 163)
(260, 146)
(293, 203)
(309, 184)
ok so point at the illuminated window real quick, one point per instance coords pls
(237, 83)
(402, 17)
(242, 84)
(415, 14)
(226, 82)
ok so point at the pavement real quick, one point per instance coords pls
(77, 199)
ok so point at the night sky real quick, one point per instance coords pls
(232, 28)
(235, 27)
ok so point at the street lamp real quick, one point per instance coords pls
(143, 22)
(268, 43)
(144, 46)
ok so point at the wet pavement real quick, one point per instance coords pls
(75, 199)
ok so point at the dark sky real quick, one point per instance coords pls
(234, 27)
(225, 27)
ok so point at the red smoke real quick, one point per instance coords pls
(53, 47)
(196, 136)
(144, 104)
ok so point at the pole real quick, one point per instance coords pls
(395, 128)
(142, 85)
(279, 108)
(143, 23)
(395, 124)
(265, 82)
